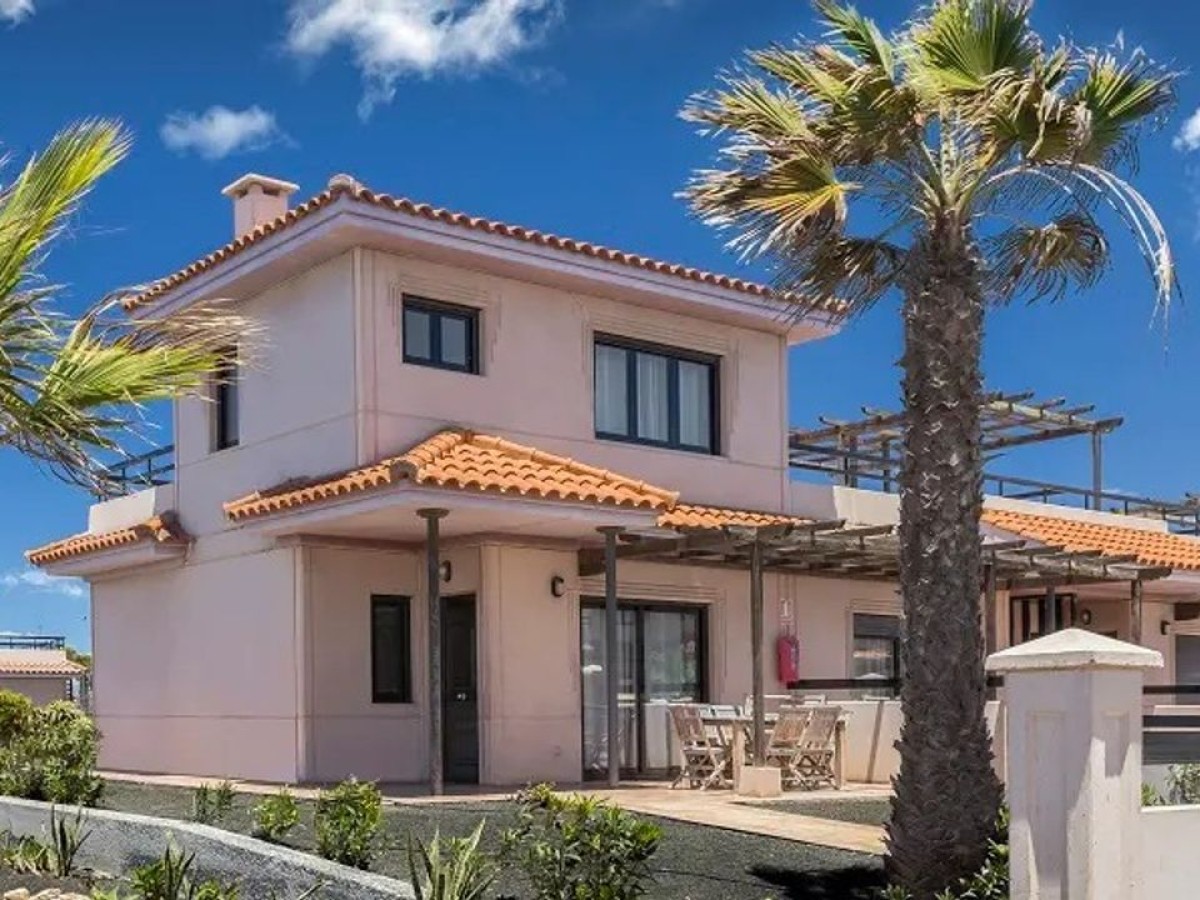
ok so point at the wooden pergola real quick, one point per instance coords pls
(869, 447)
(834, 549)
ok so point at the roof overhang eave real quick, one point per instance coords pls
(345, 223)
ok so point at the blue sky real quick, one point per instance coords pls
(559, 114)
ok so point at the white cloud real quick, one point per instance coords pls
(39, 582)
(220, 131)
(15, 11)
(393, 38)
(1188, 138)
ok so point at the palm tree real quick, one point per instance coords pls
(71, 391)
(979, 161)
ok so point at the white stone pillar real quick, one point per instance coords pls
(1074, 761)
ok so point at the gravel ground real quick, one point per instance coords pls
(862, 812)
(694, 862)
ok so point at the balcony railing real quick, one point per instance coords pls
(133, 473)
(32, 642)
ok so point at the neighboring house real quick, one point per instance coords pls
(265, 615)
(38, 667)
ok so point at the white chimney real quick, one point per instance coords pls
(257, 200)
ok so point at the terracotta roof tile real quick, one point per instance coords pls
(688, 515)
(1153, 548)
(63, 667)
(163, 529)
(346, 187)
(464, 460)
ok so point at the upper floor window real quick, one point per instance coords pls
(649, 394)
(441, 335)
(226, 402)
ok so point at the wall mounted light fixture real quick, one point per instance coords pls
(446, 570)
(1085, 617)
(1164, 627)
(558, 586)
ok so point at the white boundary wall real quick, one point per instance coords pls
(1074, 759)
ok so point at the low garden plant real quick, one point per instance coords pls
(276, 816)
(170, 878)
(348, 821)
(212, 804)
(580, 847)
(451, 869)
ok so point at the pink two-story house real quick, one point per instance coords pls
(441, 401)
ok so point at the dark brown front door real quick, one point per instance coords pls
(460, 691)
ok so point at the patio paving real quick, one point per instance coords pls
(717, 808)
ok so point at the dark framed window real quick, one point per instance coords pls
(225, 393)
(650, 394)
(441, 335)
(876, 651)
(391, 650)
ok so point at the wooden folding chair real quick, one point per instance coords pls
(816, 747)
(783, 748)
(705, 760)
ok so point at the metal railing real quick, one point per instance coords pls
(132, 473)
(32, 642)
(850, 467)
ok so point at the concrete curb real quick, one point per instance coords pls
(119, 841)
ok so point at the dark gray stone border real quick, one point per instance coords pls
(119, 841)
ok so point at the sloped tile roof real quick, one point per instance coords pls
(343, 186)
(62, 667)
(162, 529)
(466, 461)
(1153, 548)
(690, 515)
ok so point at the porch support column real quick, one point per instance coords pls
(756, 653)
(1135, 611)
(1097, 469)
(433, 588)
(612, 656)
(989, 608)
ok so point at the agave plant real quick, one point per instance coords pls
(453, 869)
(72, 390)
(981, 165)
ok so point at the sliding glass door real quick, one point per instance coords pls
(660, 659)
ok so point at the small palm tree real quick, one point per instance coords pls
(978, 159)
(72, 390)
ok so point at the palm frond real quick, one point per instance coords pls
(756, 113)
(1116, 98)
(36, 205)
(853, 270)
(1036, 262)
(858, 34)
(86, 386)
(962, 45)
(774, 209)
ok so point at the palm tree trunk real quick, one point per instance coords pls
(947, 795)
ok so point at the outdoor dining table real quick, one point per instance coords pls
(735, 730)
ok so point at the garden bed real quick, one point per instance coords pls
(694, 862)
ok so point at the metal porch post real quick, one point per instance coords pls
(612, 656)
(1135, 611)
(1097, 469)
(433, 588)
(1050, 613)
(756, 654)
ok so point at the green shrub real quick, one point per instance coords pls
(16, 712)
(54, 758)
(454, 869)
(1183, 784)
(212, 805)
(26, 855)
(1151, 796)
(348, 820)
(276, 816)
(580, 847)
